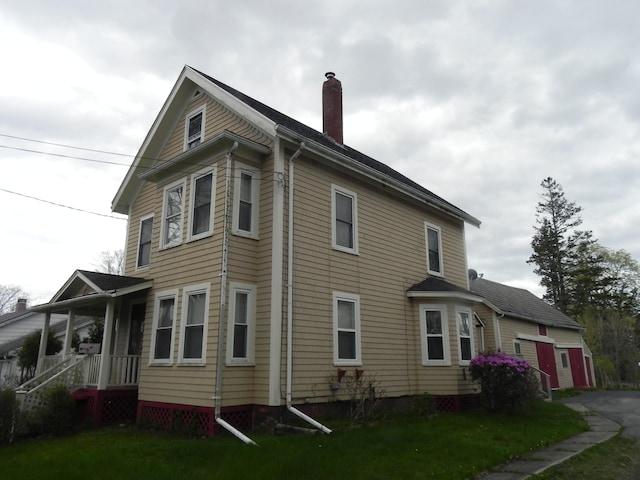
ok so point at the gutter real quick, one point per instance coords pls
(290, 407)
(217, 398)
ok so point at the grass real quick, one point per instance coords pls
(616, 459)
(452, 446)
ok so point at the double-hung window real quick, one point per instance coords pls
(194, 128)
(195, 309)
(434, 249)
(144, 242)
(241, 325)
(344, 213)
(164, 317)
(465, 336)
(201, 211)
(434, 332)
(346, 329)
(172, 213)
(245, 205)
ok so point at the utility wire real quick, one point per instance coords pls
(65, 146)
(61, 205)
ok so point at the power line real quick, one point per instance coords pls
(60, 204)
(65, 146)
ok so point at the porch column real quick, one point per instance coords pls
(68, 337)
(105, 357)
(42, 352)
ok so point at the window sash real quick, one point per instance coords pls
(464, 333)
(144, 244)
(173, 215)
(346, 324)
(164, 329)
(201, 219)
(245, 203)
(435, 335)
(344, 220)
(194, 130)
(433, 250)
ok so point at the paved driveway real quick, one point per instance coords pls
(620, 406)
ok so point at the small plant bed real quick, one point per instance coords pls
(451, 446)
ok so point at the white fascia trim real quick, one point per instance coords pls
(535, 338)
(569, 345)
(260, 121)
(277, 275)
(454, 295)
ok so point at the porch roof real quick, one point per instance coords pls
(433, 287)
(90, 290)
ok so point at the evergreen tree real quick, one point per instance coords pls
(555, 242)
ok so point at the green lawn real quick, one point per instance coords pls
(451, 446)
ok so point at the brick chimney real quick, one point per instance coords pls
(332, 107)
(21, 305)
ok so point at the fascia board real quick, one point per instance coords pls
(455, 295)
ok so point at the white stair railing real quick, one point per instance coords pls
(30, 394)
(545, 386)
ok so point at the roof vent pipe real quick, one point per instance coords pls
(332, 107)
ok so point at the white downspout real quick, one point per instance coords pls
(290, 407)
(217, 398)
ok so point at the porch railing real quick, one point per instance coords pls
(124, 371)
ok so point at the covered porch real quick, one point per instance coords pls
(108, 369)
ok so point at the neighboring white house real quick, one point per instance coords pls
(16, 326)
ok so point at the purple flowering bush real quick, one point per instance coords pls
(508, 383)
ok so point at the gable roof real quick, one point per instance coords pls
(85, 288)
(273, 123)
(522, 304)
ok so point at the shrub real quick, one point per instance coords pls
(55, 418)
(508, 383)
(8, 411)
(424, 405)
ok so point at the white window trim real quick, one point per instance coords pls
(188, 117)
(445, 335)
(429, 226)
(347, 297)
(192, 203)
(517, 345)
(347, 193)
(164, 295)
(254, 173)
(252, 291)
(182, 182)
(473, 350)
(144, 267)
(191, 290)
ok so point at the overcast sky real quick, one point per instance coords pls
(478, 101)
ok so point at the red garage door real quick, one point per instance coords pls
(547, 363)
(576, 360)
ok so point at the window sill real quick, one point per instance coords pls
(239, 363)
(347, 363)
(200, 236)
(249, 235)
(156, 363)
(191, 364)
(350, 251)
(172, 245)
(436, 364)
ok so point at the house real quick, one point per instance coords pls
(16, 326)
(267, 264)
(517, 322)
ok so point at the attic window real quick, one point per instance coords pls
(194, 128)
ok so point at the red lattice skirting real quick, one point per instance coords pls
(188, 418)
(104, 407)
